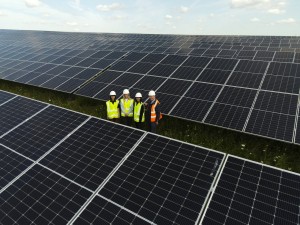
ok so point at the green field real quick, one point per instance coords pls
(271, 152)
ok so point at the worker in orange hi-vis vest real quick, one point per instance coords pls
(153, 112)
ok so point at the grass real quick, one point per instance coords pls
(271, 152)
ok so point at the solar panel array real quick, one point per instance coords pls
(60, 167)
(63, 167)
(252, 193)
(244, 83)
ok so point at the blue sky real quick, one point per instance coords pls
(201, 17)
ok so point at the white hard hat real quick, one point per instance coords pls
(138, 95)
(125, 92)
(112, 93)
(151, 93)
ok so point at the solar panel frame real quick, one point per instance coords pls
(172, 140)
(31, 198)
(269, 174)
(39, 134)
(25, 112)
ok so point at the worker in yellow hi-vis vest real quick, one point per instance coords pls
(126, 106)
(113, 107)
(138, 111)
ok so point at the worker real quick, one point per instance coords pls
(113, 107)
(138, 111)
(153, 112)
(126, 106)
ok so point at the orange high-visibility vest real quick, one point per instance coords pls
(153, 112)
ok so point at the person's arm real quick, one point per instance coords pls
(142, 112)
(121, 107)
(157, 110)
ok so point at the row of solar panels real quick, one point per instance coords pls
(257, 97)
(62, 167)
(209, 39)
(50, 54)
(250, 96)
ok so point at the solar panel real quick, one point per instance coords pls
(214, 76)
(162, 70)
(26, 109)
(190, 108)
(196, 62)
(264, 55)
(153, 58)
(12, 165)
(134, 56)
(54, 82)
(122, 65)
(167, 101)
(203, 91)
(43, 131)
(237, 96)
(164, 181)
(227, 53)
(91, 89)
(235, 61)
(284, 56)
(187, 73)
(174, 87)
(127, 79)
(102, 63)
(92, 152)
(273, 115)
(70, 85)
(222, 64)
(40, 79)
(281, 84)
(249, 80)
(108, 76)
(252, 193)
(5, 96)
(101, 211)
(41, 197)
(141, 67)
(149, 83)
(175, 60)
(104, 93)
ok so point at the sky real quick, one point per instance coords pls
(194, 17)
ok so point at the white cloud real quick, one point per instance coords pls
(168, 17)
(107, 8)
(2, 13)
(287, 21)
(32, 3)
(76, 5)
(268, 6)
(119, 17)
(72, 23)
(276, 11)
(247, 3)
(184, 9)
(255, 19)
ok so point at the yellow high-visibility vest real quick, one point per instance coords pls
(137, 112)
(113, 110)
(127, 105)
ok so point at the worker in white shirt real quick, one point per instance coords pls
(126, 106)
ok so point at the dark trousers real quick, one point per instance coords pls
(116, 120)
(139, 125)
(152, 127)
(126, 120)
